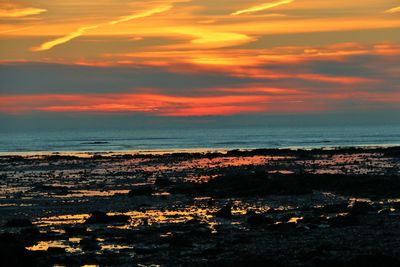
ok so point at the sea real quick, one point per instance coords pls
(116, 140)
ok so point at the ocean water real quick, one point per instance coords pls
(180, 139)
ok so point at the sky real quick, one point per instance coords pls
(174, 60)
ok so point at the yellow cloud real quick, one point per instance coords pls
(220, 38)
(393, 10)
(82, 30)
(142, 14)
(13, 12)
(262, 7)
(206, 37)
(64, 39)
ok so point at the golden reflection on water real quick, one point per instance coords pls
(45, 245)
(151, 217)
(93, 193)
(359, 199)
(155, 217)
(72, 245)
(201, 213)
(62, 219)
(295, 219)
(75, 239)
(161, 194)
(115, 247)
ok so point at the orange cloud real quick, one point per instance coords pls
(155, 104)
(246, 99)
(229, 60)
(265, 74)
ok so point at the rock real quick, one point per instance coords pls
(286, 217)
(13, 252)
(141, 190)
(396, 205)
(193, 221)
(386, 211)
(32, 231)
(243, 259)
(343, 220)
(180, 240)
(55, 250)
(98, 217)
(73, 231)
(89, 244)
(272, 211)
(225, 212)
(162, 181)
(146, 249)
(335, 208)
(373, 260)
(18, 223)
(200, 231)
(259, 219)
(283, 227)
(361, 207)
(310, 219)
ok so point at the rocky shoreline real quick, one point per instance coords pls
(264, 207)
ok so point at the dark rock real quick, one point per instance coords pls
(373, 261)
(396, 205)
(260, 183)
(141, 190)
(98, 217)
(193, 221)
(184, 188)
(343, 220)
(309, 219)
(385, 211)
(272, 211)
(225, 212)
(18, 223)
(286, 217)
(259, 219)
(13, 252)
(200, 231)
(180, 240)
(33, 231)
(361, 207)
(89, 244)
(55, 250)
(162, 181)
(73, 231)
(335, 208)
(146, 249)
(283, 227)
(244, 259)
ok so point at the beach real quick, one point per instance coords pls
(260, 207)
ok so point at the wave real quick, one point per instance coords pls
(95, 143)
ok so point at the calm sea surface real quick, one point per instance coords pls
(268, 137)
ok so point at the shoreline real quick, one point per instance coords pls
(104, 153)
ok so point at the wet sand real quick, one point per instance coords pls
(265, 207)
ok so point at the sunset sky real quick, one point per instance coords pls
(199, 58)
